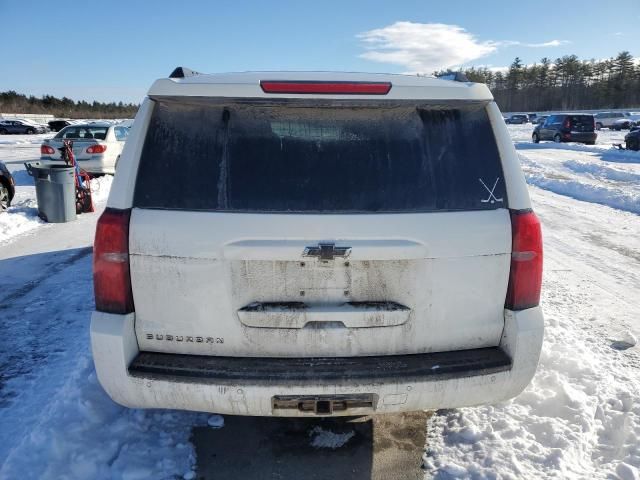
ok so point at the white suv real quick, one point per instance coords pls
(608, 119)
(295, 244)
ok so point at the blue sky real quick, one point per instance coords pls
(113, 50)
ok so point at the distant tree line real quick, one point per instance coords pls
(13, 102)
(566, 83)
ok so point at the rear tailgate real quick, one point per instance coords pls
(301, 229)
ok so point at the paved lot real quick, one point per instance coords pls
(385, 447)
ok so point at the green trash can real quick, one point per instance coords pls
(55, 191)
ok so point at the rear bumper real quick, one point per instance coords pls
(249, 386)
(582, 137)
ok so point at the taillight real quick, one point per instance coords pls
(315, 87)
(46, 150)
(111, 278)
(97, 148)
(525, 278)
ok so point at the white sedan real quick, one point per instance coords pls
(96, 146)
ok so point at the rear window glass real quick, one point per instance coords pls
(86, 132)
(217, 155)
(585, 121)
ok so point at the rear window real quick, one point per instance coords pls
(301, 156)
(582, 121)
(83, 132)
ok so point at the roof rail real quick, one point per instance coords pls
(455, 76)
(182, 72)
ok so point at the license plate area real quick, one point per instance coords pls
(324, 405)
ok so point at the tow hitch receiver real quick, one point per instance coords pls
(324, 404)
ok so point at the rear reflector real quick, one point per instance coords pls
(525, 278)
(325, 88)
(97, 148)
(111, 278)
(46, 150)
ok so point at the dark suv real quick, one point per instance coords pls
(632, 139)
(7, 187)
(57, 125)
(566, 128)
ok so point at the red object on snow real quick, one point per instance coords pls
(84, 202)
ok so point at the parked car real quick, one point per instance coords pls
(541, 119)
(607, 119)
(632, 139)
(7, 187)
(532, 117)
(96, 146)
(20, 126)
(57, 125)
(566, 128)
(517, 119)
(630, 120)
(278, 245)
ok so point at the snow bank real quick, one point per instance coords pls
(100, 188)
(599, 170)
(606, 195)
(20, 218)
(583, 172)
(579, 418)
(583, 177)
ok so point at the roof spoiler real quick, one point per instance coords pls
(455, 76)
(182, 72)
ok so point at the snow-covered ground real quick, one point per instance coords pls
(580, 417)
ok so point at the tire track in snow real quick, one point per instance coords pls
(54, 268)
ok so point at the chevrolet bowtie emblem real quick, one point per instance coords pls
(326, 251)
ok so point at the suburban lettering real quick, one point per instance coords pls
(182, 338)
